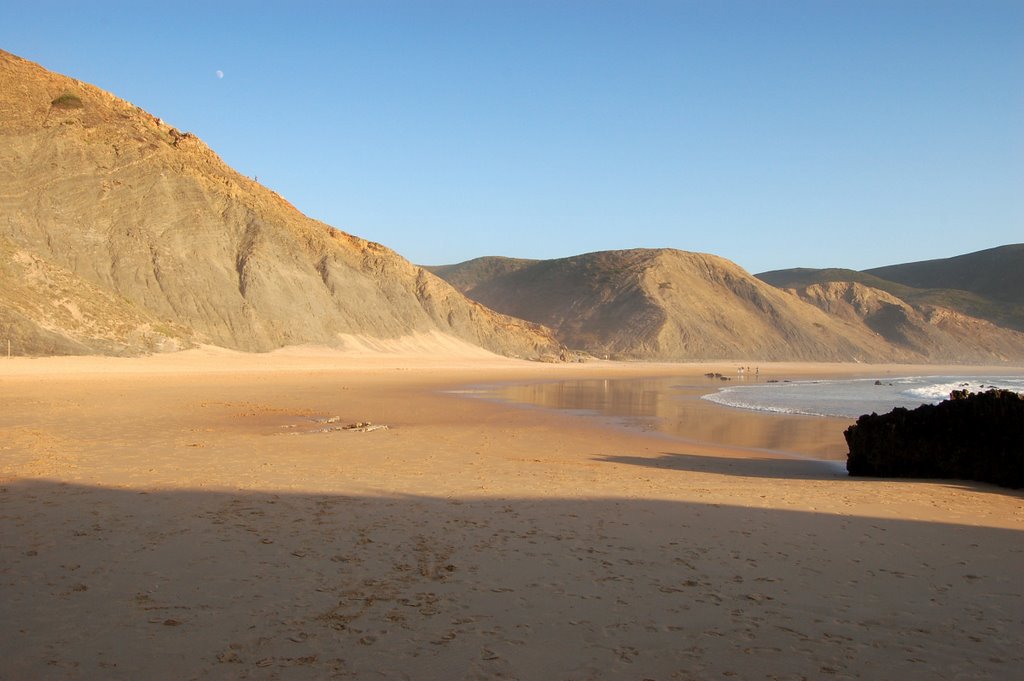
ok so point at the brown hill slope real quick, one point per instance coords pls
(466, 276)
(120, 234)
(986, 284)
(668, 304)
(931, 332)
(992, 282)
(992, 273)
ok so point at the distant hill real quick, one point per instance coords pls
(993, 273)
(987, 284)
(466, 276)
(930, 332)
(120, 235)
(672, 305)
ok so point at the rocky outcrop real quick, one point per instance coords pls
(970, 436)
(120, 234)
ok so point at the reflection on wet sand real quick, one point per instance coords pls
(672, 406)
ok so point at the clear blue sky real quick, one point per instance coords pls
(776, 134)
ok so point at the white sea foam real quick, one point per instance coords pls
(851, 398)
(939, 391)
(729, 398)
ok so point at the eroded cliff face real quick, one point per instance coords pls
(713, 306)
(120, 234)
(920, 331)
(663, 304)
(676, 305)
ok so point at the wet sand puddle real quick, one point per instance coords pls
(672, 407)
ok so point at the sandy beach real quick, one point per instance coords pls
(204, 515)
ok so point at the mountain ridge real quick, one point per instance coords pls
(120, 234)
(987, 284)
(671, 304)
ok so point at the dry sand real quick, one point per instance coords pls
(187, 517)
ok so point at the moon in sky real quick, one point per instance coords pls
(220, 74)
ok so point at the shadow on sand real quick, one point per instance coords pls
(790, 469)
(120, 584)
(779, 468)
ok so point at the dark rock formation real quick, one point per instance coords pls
(977, 436)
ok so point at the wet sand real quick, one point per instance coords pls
(197, 516)
(671, 407)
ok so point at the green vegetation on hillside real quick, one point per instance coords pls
(67, 100)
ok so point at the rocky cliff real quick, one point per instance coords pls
(120, 234)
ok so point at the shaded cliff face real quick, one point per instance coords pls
(120, 234)
(668, 304)
(996, 273)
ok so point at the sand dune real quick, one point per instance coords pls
(188, 516)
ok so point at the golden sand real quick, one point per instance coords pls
(200, 515)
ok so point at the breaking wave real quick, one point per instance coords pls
(851, 398)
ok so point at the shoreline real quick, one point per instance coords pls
(209, 358)
(677, 393)
(191, 518)
(706, 420)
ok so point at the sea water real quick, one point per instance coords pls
(805, 418)
(670, 407)
(854, 397)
